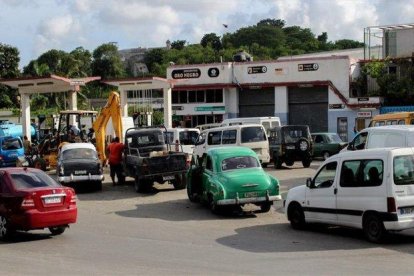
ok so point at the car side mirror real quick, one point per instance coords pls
(350, 146)
(309, 182)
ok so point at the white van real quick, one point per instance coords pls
(184, 137)
(383, 137)
(267, 122)
(371, 189)
(207, 126)
(252, 136)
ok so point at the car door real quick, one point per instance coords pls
(320, 200)
(207, 174)
(318, 144)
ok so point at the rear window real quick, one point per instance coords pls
(12, 144)
(188, 137)
(240, 162)
(26, 180)
(252, 134)
(79, 154)
(403, 167)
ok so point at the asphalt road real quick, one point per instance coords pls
(120, 232)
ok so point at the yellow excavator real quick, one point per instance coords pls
(49, 147)
(112, 109)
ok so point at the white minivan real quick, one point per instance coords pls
(252, 136)
(371, 189)
(184, 138)
(383, 137)
(267, 122)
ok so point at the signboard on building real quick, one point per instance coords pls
(308, 67)
(186, 73)
(256, 70)
(364, 99)
(364, 114)
(213, 72)
(210, 108)
(336, 106)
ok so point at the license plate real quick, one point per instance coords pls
(80, 172)
(51, 200)
(250, 194)
(168, 177)
(290, 147)
(407, 210)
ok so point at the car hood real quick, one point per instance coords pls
(245, 180)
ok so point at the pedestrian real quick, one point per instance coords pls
(115, 149)
(355, 131)
(27, 145)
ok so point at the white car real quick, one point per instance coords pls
(371, 189)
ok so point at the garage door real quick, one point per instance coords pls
(309, 106)
(256, 102)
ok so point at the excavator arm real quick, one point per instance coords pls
(112, 109)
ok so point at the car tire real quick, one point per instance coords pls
(98, 185)
(296, 216)
(140, 185)
(6, 231)
(373, 228)
(57, 230)
(215, 209)
(265, 207)
(191, 196)
(277, 163)
(302, 145)
(180, 181)
(306, 163)
(326, 155)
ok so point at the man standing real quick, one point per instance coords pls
(26, 145)
(115, 149)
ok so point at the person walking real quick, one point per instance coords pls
(27, 145)
(115, 149)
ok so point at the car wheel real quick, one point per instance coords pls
(277, 163)
(180, 181)
(57, 230)
(213, 205)
(191, 195)
(265, 207)
(296, 216)
(140, 185)
(306, 163)
(373, 228)
(326, 155)
(40, 164)
(6, 230)
(98, 185)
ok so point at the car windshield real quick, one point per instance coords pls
(146, 139)
(12, 144)
(32, 179)
(79, 154)
(293, 134)
(252, 134)
(335, 138)
(239, 162)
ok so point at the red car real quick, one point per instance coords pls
(30, 199)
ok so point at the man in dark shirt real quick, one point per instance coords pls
(115, 149)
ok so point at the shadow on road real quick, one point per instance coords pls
(184, 210)
(20, 237)
(282, 238)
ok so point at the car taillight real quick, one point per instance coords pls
(28, 203)
(73, 200)
(391, 208)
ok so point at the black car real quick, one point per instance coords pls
(290, 143)
(78, 164)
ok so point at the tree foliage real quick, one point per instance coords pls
(9, 68)
(107, 62)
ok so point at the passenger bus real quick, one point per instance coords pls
(395, 118)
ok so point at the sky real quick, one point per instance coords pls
(36, 26)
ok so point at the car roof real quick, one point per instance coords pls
(232, 127)
(179, 129)
(367, 153)
(230, 151)
(320, 133)
(392, 127)
(69, 146)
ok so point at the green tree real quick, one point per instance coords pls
(9, 68)
(347, 44)
(155, 57)
(213, 40)
(107, 62)
(178, 44)
(279, 23)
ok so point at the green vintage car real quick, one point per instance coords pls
(231, 176)
(327, 144)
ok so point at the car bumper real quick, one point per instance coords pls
(79, 178)
(34, 219)
(401, 224)
(236, 201)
